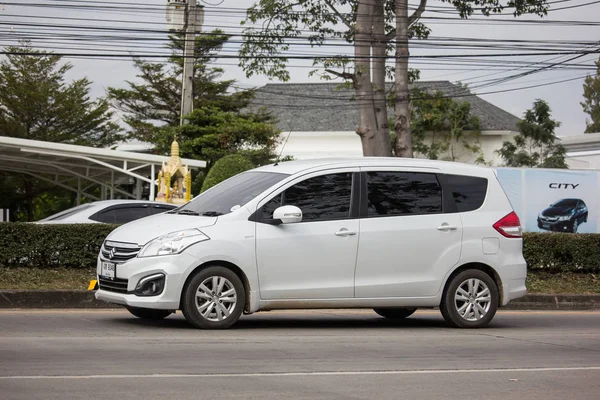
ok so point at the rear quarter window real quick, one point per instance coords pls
(468, 192)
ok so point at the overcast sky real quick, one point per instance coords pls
(564, 98)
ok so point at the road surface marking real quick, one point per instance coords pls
(324, 373)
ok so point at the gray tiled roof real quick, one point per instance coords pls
(310, 107)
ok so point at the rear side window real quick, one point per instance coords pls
(468, 191)
(121, 215)
(402, 193)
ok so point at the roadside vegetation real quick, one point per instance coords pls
(64, 257)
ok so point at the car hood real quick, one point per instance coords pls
(143, 230)
(557, 211)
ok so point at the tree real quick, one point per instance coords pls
(536, 145)
(156, 101)
(225, 168)
(37, 103)
(377, 30)
(591, 103)
(443, 128)
(212, 133)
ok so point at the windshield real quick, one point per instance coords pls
(566, 203)
(67, 213)
(231, 193)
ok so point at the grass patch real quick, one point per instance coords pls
(67, 278)
(563, 283)
(45, 278)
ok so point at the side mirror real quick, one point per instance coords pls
(288, 214)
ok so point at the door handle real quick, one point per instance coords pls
(344, 232)
(445, 227)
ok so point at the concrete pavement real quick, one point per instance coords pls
(331, 354)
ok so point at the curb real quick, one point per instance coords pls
(85, 299)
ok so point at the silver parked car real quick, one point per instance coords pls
(108, 212)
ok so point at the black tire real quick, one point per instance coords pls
(575, 225)
(450, 308)
(395, 313)
(191, 303)
(149, 313)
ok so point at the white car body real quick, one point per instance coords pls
(402, 261)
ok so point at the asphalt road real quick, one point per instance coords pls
(334, 354)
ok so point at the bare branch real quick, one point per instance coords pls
(347, 21)
(411, 20)
(345, 75)
(418, 12)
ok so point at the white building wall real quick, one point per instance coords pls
(309, 145)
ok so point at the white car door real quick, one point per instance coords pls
(315, 258)
(407, 244)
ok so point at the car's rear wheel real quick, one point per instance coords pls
(214, 298)
(149, 313)
(395, 313)
(470, 300)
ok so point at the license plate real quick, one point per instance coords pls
(545, 226)
(108, 270)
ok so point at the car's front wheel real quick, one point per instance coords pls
(149, 313)
(214, 298)
(470, 300)
(395, 313)
(575, 225)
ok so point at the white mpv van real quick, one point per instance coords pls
(390, 234)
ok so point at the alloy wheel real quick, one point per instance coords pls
(472, 299)
(216, 298)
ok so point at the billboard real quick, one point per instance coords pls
(548, 200)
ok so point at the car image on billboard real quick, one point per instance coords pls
(565, 215)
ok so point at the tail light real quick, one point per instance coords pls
(509, 226)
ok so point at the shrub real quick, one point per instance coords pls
(562, 252)
(225, 168)
(49, 246)
(78, 245)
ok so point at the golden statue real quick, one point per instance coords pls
(174, 179)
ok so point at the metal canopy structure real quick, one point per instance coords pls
(81, 168)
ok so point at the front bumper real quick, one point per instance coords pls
(555, 226)
(175, 267)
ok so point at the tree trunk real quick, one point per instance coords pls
(379, 61)
(403, 143)
(370, 132)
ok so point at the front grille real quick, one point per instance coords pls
(117, 285)
(118, 252)
(549, 219)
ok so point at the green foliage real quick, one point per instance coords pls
(536, 145)
(52, 245)
(156, 101)
(37, 103)
(272, 24)
(562, 252)
(591, 103)
(443, 128)
(212, 133)
(78, 245)
(225, 168)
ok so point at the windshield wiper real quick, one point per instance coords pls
(211, 213)
(187, 212)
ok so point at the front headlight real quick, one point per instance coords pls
(172, 243)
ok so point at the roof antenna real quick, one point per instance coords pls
(283, 147)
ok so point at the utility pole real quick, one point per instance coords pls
(194, 17)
